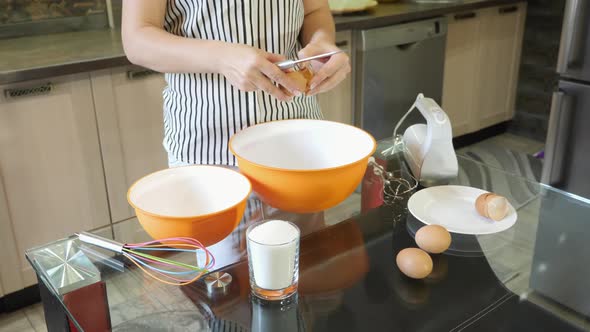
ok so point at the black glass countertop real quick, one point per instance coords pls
(530, 277)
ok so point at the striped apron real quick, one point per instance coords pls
(202, 111)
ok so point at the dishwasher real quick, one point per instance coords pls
(394, 64)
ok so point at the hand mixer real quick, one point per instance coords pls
(164, 270)
(428, 148)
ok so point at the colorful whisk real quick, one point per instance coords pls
(164, 270)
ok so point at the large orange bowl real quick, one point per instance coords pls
(303, 165)
(202, 202)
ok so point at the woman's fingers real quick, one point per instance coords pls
(338, 62)
(330, 82)
(248, 87)
(275, 74)
(263, 83)
(273, 57)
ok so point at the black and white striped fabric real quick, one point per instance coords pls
(203, 110)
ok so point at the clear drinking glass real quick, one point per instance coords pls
(273, 259)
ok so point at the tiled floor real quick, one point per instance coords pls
(30, 319)
(515, 143)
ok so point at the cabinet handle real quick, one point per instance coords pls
(506, 10)
(465, 16)
(342, 43)
(36, 90)
(573, 37)
(556, 145)
(139, 74)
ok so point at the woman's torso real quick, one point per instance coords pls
(202, 111)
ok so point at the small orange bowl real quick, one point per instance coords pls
(303, 165)
(201, 202)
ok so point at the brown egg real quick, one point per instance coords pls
(433, 239)
(302, 78)
(308, 74)
(414, 263)
(492, 206)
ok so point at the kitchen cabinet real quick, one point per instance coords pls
(481, 66)
(461, 64)
(10, 277)
(336, 104)
(51, 169)
(501, 33)
(128, 102)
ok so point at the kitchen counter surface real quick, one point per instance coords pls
(348, 278)
(404, 11)
(46, 56)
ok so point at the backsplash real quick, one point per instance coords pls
(23, 11)
(21, 18)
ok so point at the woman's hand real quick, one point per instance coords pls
(250, 69)
(328, 73)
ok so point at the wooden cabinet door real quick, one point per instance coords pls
(51, 169)
(10, 275)
(130, 121)
(336, 104)
(501, 40)
(460, 85)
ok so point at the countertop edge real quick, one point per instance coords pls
(368, 22)
(360, 22)
(62, 69)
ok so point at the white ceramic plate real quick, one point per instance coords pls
(453, 207)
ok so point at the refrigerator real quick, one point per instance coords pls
(567, 149)
(556, 272)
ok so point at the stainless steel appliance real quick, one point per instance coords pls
(557, 272)
(395, 64)
(560, 271)
(567, 157)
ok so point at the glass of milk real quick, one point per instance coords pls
(273, 258)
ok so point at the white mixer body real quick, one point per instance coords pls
(429, 147)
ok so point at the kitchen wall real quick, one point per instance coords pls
(537, 77)
(19, 11)
(31, 17)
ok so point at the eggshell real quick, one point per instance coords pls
(414, 263)
(480, 205)
(492, 206)
(497, 207)
(299, 79)
(302, 78)
(433, 239)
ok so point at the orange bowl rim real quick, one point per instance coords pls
(231, 148)
(187, 217)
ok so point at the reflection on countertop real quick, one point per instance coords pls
(45, 56)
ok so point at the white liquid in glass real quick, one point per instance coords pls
(273, 249)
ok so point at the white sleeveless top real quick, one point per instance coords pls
(202, 111)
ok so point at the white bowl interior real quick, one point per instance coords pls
(302, 144)
(190, 191)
